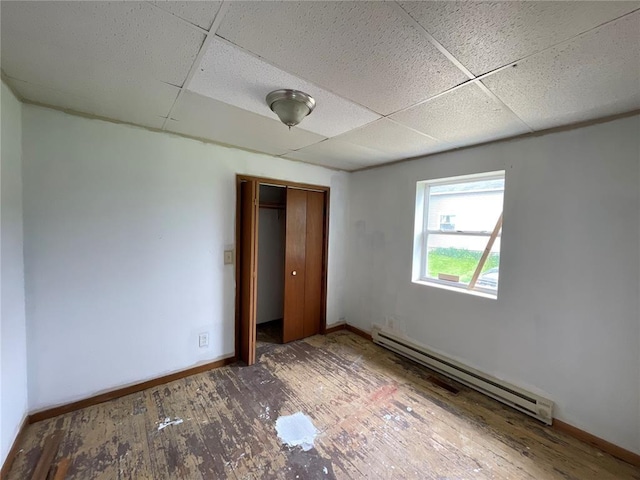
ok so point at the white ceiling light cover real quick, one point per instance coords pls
(204, 117)
(231, 75)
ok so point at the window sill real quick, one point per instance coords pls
(455, 288)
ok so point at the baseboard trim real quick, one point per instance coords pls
(586, 437)
(121, 392)
(605, 446)
(13, 451)
(335, 328)
(359, 332)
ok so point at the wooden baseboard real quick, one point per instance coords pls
(350, 328)
(121, 392)
(13, 451)
(357, 331)
(605, 446)
(335, 328)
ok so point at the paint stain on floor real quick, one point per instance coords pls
(296, 430)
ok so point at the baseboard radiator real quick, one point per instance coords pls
(515, 397)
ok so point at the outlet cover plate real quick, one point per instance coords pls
(203, 339)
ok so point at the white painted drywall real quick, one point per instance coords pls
(124, 237)
(566, 323)
(13, 335)
(271, 235)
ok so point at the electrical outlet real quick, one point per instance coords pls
(228, 257)
(203, 339)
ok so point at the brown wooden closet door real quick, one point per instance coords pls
(249, 270)
(313, 264)
(294, 265)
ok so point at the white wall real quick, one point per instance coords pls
(566, 322)
(125, 230)
(124, 237)
(271, 236)
(13, 337)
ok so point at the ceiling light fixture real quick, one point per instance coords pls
(291, 106)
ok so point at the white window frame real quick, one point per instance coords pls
(421, 234)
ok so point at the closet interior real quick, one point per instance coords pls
(281, 262)
(271, 243)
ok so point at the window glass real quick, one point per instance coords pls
(459, 256)
(474, 206)
(462, 219)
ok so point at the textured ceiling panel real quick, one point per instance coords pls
(338, 154)
(392, 138)
(323, 161)
(229, 74)
(595, 75)
(127, 60)
(204, 117)
(363, 51)
(462, 117)
(143, 105)
(488, 35)
(201, 14)
(116, 96)
(42, 41)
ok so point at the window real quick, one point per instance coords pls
(458, 230)
(447, 223)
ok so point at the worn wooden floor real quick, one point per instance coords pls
(379, 416)
(269, 332)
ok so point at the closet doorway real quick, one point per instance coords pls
(281, 262)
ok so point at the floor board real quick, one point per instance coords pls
(379, 416)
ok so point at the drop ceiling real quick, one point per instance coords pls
(393, 80)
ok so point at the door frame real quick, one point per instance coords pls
(238, 244)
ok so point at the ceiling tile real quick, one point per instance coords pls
(201, 14)
(323, 161)
(113, 91)
(204, 117)
(488, 35)
(464, 116)
(394, 139)
(338, 154)
(376, 143)
(234, 76)
(363, 51)
(49, 42)
(595, 75)
(145, 105)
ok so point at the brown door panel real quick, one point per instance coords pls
(314, 249)
(295, 255)
(249, 270)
